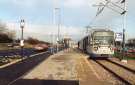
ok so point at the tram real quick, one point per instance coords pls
(98, 42)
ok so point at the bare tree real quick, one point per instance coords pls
(3, 28)
(6, 35)
(11, 34)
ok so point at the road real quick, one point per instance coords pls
(26, 52)
(10, 73)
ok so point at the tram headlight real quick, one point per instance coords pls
(111, 49)
(95, 48)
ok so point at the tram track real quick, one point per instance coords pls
(120, 72)
(114, 74)
(122, 66)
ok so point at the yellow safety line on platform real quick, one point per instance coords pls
(92, 68)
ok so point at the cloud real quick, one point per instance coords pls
(40, 31)
(108, 16)
(75, 15)
(75, 3)
(24, 3)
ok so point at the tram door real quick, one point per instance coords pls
(85, 43)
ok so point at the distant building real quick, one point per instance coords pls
(131, 42)
(66, 42)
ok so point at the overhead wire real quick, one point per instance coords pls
(99, 11)
(106, 5)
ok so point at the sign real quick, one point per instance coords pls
(119, 37)
(22, 43)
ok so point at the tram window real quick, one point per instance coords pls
(103, 39)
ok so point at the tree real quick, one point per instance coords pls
(3, 28)
(32, 41)
(6, 35)
(11, 34)
(5, 39)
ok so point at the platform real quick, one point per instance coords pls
(68, 67)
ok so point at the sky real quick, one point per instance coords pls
(41, 23)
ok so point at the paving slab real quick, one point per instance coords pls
(68, 67)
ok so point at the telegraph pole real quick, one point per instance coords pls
(57, 10)
(51, 47)
(57, 17)
(124, 27)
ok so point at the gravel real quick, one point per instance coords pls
(104, 74)
(127, 75)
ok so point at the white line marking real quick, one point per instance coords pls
(8, 64)
(39, 53)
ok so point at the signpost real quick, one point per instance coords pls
(22, 23)
(119, 37)
(22, 43)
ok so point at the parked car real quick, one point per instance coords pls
(41, 47)
(16, 45)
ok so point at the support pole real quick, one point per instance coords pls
(124, 27)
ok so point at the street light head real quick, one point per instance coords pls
(57, 8)
(123, 12)
(22, 23)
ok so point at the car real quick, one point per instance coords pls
(10, 45)
(131, 50)
(41, 47)
(13, 45)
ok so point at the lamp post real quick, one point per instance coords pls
(124, 29)
(59, 21)
(51, 47)
(22, 24)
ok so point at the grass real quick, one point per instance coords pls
(4, 46)
(127, 57)
(6, 60)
